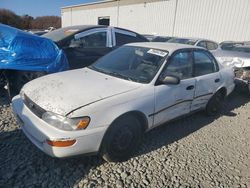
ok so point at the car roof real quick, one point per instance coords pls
(170, 47)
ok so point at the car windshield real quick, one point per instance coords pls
(59, 34)
(182, 41)
(236, 47)
(138, 64)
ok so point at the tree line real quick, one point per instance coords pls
(28, 22)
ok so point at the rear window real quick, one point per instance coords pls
(183, 41)
(122, 39)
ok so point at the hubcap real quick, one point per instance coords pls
(122, 140)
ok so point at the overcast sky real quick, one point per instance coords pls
(39, 7)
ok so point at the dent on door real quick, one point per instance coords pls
(172, 101)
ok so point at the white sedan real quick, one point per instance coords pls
(106, 107)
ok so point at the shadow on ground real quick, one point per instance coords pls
(178, 129)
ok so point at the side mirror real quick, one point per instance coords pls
(172, 80)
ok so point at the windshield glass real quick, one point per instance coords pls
(138, 64)
(59, 34)
(182, 41)
(236, 47)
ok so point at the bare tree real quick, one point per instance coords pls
(28, 22)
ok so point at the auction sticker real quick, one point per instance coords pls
(157, 52)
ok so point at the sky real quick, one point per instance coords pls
(39, 7)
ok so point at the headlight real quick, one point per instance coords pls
(64, 123)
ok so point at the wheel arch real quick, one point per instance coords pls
(223, 91)
(137, 114)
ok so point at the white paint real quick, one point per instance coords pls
(103, 98)
(217, 20)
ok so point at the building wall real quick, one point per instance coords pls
(212, 19)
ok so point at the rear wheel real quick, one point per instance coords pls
(215, 104)
(121, 139)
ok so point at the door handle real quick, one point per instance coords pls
(217, 80)
(190, 87)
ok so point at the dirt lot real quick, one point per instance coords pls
(197, 151)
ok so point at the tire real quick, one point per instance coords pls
(18, 79)
(215, 104)
(121, 139)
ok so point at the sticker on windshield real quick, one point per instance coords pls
(157, 52)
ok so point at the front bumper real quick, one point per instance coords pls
(38, 131)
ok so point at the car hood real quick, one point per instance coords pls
(232, 58)
(64, 92)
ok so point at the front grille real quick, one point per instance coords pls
(37, 110)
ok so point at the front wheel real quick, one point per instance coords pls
(121, 139)
(215, 104)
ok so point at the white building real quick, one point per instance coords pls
(211, 19)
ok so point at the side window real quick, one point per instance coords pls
(203, 63)
(180, 65)
(94, 40)
(122, 39)
(202, 44)
(211, 46)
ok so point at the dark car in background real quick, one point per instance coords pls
(84, 44)
(161, 39)
(24, 56)
(157, 38)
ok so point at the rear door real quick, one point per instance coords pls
(172, 101)
(208, 80)
(86, 47)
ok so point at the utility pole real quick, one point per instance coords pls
(175, 14)
(118, 11)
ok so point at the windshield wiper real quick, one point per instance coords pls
(119, 75)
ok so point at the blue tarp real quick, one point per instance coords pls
(20, 50)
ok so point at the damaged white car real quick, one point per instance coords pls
(106, 108)
(239, 59)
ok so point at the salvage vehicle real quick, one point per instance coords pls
(24, 56)
(84, 44)
(238, 58)
(106, 107)
(204, 43)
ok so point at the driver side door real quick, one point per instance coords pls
(172, 101)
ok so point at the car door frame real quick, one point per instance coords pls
(89, 59)
(204, 98)
(156, 111)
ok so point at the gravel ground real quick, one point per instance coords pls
(196, 151)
